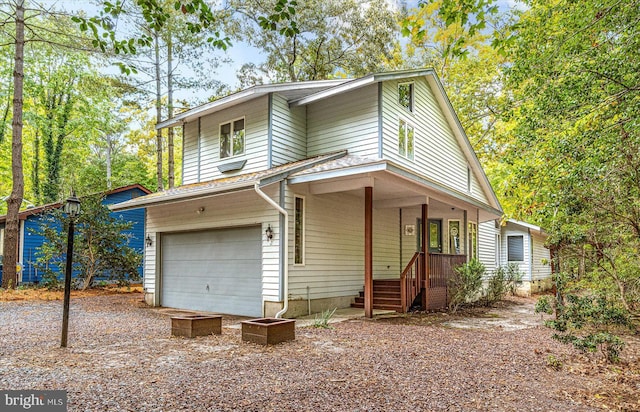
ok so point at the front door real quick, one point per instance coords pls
(435, 236)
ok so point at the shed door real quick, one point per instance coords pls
(215, 271)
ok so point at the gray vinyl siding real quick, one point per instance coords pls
(334, 240)
(255, 114)
(540, 269)
(190, 160)
(288, 131)
(235, 210)
(346, 121)
(437, 154)
(487, 245)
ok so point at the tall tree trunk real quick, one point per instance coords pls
(108, 160)
(12, 227)
(35, 172)
(170, 158)
(160, 185)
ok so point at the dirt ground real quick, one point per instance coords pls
(121, 357)
(9, 295)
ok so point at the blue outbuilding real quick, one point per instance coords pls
(31, 219)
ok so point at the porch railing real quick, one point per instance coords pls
(411, 280)
(441, 268)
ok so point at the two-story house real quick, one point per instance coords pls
(317, 195)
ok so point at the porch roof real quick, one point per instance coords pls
(352, 172)
(528, 226)
(226, 184)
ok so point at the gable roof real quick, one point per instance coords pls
(225, 185)
(294, 90)
(304, 93)
(50, 206)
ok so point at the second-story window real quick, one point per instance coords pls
(232, 138)
(405, 139)
(405, 95)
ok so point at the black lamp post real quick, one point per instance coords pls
(72, 209)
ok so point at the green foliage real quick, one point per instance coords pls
(554, 362)
(464, 286)
(470, 17)
(496, 287)
(100, 246)
(574, 164)
(505, 279)
(544, 305)
(513, 277)
(322, 321)
(335, 38)
(587, 322)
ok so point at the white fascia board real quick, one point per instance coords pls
(241, 96)
(207, 108)
(363, 81)
(442, 189)
(527, 225)
(179, 197)
(344, 87)
(344, 172)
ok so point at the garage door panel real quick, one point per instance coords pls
(228, 261)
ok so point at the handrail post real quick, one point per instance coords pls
(403, 292)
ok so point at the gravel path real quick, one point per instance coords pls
(121, 357)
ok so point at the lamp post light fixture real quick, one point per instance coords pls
(72, 209)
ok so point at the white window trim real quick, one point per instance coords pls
(468, 239)
(498, 250)
(231, 122)
(304, 231)
(408, 123)
(413, 96)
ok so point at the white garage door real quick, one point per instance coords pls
(215, 271)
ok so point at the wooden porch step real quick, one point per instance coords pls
(380, 301)
(396, 308)
(386, 283)
(383, 294)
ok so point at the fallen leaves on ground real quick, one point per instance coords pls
(121, 357)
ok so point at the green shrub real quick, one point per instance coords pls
(465, 284)
(513, 277)
(496, 287)
(589, 323)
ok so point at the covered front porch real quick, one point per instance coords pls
(427, 229)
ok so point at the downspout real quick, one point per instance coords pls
(530, 257)
(285, 241)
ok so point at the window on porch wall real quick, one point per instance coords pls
(298, 231)
(473, 240)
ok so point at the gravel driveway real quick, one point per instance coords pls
(121, 357)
